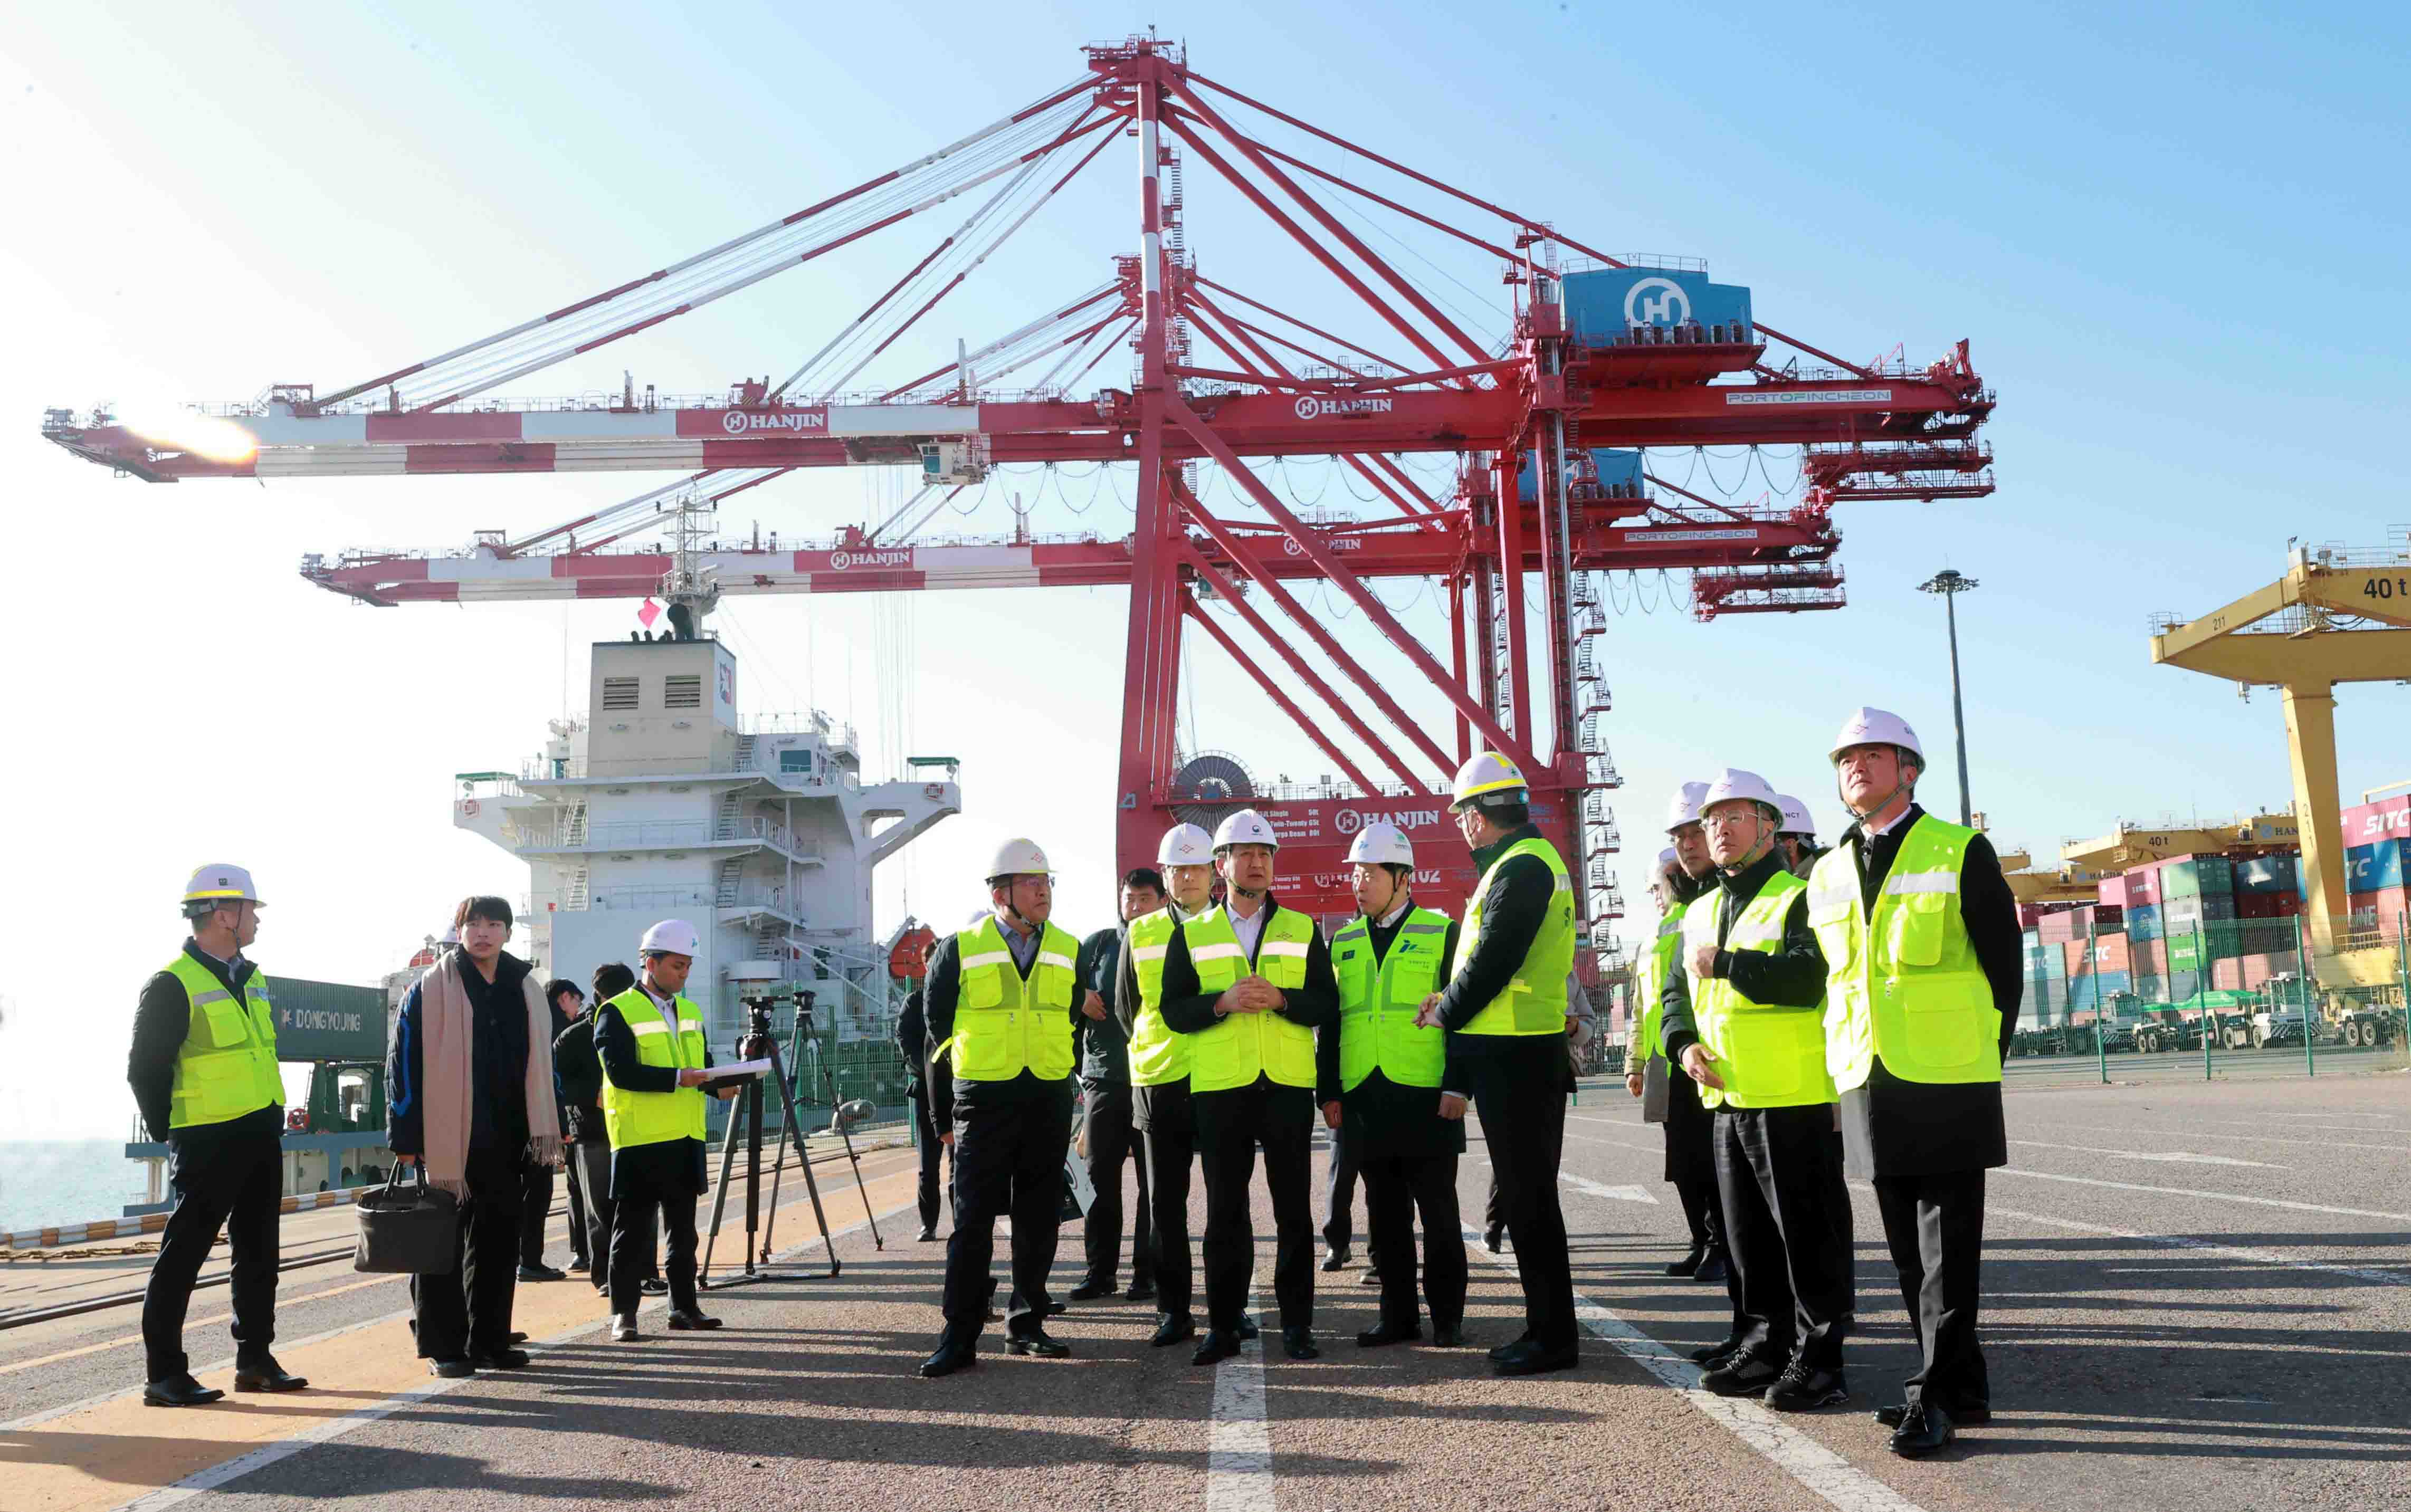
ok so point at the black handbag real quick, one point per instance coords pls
(408, 1230)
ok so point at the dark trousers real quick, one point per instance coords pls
(643, 1193)
(590, 1171)
(1228, 1131)
(468, 1311)
(1936, 1227)
(926, 1132)
(229, 1177)
(1171, 1138)
(535, 1211)
(1112, 1142)
(1791, 1250)
(1339, 1197)
(1519, 1094)
(1008, 1161)
(1397, 1190)
(575, 1180)
(1492, 1215)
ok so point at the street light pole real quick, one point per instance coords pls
(1950, 584)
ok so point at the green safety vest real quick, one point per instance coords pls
(1157, 1055)
(1240, 1047)
(1769, 1057)
(632, 1118)
(1904, 985)
(1005, 1023)
(1649, 980)
(226, 1066)
(1535, 999)
(1377, 1002)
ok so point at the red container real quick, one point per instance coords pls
(2388, 903)
(2226, 976)
(2142, 886)
(2260, 904)
(2260, 969)
(2110, 953)
(2151, 957)
(2113, 891)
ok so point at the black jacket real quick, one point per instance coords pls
(1792, 976)
(577, 1074)
(1382, 1116)
(912, 1043)
(498, 1117)
(941, 989)
(162, 1017)
(1512, 912)
(1103, 1045)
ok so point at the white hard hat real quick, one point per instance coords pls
(979, 917)
(1684, 807)
(1488, 775)
(673, 936)
(1733, 785)
(1795, 816)
(1018, 857)
(1668, 858)
(1382, 845)
(1246, 827)
(451, 935)
(1874, 726)
(220, 883)
(1185, 845)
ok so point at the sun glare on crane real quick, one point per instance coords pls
(186, 430)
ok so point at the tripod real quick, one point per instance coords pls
(758, 1043)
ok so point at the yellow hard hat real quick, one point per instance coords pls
(1490, 775)
(220, 883)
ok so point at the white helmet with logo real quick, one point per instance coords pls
(1488, 780)
(1382, 845)
(1185, 845)
(675, 937)
(1733, 785)
(1795, 816)
(1876, 727)
(1246, 827)
(211, 885)
(1684, 807)
(1018, 857)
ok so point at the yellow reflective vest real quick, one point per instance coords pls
(631, 1117)
(226, 1066)
(1007, 1023)
(1157, 1054)
(1238, 1047)
(1534, 1001)
(1644, 1037)
(1768, 1056)
(1378, 1001)
(1905, 983)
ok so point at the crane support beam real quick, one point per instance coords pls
(1305, 674)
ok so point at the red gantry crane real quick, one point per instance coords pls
(1549, 426)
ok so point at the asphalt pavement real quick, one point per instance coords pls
(2198, 1298)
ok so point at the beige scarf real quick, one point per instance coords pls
(447, 1027)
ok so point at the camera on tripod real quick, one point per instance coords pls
(758, 1039)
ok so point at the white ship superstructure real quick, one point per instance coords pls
(665, 802)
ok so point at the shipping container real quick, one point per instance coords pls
(2055, 961)
(2388, 818)
(2192, 875)
(2151, 956)
(2113, 890)
(2142, 886)
(2109, 953)
(2143, 922)
(2189, 947)
(2260, 969)
(2373, 868)
(2178, 912)
(2264, 875)
(2226, 976)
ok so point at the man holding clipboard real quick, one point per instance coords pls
(655, 1072)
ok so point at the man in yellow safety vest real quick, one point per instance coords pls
(1246, 984)
(1919, 933)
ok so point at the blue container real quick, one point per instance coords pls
(2367, 868)
(2268, 874)
(1619, 473)
(2143, 922)
(1604, 306)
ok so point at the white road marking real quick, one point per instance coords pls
(2180, 1158)
(2217, 1197)
(1239, 1456)
(1614, 1194)
(1833, 1478)
(2334, 1128)
(334, 1428)
(2232, 1252)
(2329, 1115)
(2237, 1139)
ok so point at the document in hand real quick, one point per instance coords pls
(730, 1075)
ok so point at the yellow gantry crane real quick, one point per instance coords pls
(2335, 617)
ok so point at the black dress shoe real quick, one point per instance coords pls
(451, 1369)
(1334, 1260)
(683, 1319)
(1805, 1388)
(1038, 1344)
(1089, 1291)
(1743, 1375)
(1715, 1271)
(266, 1375)
(1511, 1345)
(1715, 1351)
(1382, 1333)
(1216, 1345)
(500, 1359)
(1450, 1336)
(179, 1391)
(1535, 1358)
(1140, 1291)
(1371, 1278)
(542, 1272)
(577, 1263)
(1892, 1416)
(655, 1289)
(1172, 1328)
(928, 1234)
(1298, 1343)
(951, 1357)
(1494, 1238)
(518, 1338)
(1247, 1329)
(1057, 1309)
(1688, 1264)
(1922, 1429)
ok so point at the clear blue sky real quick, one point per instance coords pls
(2172, 233)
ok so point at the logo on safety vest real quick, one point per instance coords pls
(1310, 408)
(840, 560)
